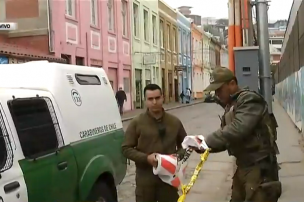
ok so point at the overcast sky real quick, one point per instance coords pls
(279, 9)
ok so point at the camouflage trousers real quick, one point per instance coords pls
(258, 183)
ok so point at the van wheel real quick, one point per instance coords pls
(101, 193)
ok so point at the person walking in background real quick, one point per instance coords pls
(188, 94)
(182, 95)
(121, 97)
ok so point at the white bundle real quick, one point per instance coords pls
(195, 141)
(169, 169)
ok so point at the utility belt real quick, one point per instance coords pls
(251, 160)
(252, 149)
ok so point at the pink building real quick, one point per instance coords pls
(95, 33)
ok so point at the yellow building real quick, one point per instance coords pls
(197, 61)
(145, 48)
(168, 50)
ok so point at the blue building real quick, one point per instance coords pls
(184, 58)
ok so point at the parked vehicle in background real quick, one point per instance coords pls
(209, 97)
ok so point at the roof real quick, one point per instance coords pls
(19, 51)
(276, 33)
(41, 74)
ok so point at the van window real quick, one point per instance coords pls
(87, 79)
(36, 124)
(3, 152)
(6, 152)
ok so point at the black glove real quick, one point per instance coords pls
(199, 151)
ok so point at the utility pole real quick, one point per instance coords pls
(264, 54)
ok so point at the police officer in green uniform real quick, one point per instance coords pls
(248, 132)
(154, 131)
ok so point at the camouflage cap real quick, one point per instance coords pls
(219, 77)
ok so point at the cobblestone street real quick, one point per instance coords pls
(214, 182)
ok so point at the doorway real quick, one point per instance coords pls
(138, 90)
(79, 61)
(138, 101)
(176, 90)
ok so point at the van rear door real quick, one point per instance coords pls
(49, 166)
(12, 184)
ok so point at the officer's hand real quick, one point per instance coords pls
(152, 159)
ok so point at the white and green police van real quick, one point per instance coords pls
(61, 134)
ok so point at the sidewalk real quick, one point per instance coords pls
(170, 106)
(290, 158)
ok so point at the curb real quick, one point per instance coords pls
(167, 109)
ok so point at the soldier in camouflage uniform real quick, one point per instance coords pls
(248, 132)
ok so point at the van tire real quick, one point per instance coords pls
(101, 193)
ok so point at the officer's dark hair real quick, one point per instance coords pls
(152, 87)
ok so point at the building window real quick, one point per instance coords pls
(135, 20)
(154, 75)
(196, 49)
(146, 25)
(79, 60)
(168, 37)
(188, 44)
(277, 42)
(184, 43)
(70, 8)
(180, 40)
(200, 48)
(111, 15)
(124, 12)
(174, 40)
(126, 85)
(161, 33)
(193, 49)
(154, 33)
(94, 13)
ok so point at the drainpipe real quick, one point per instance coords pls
(231, 33)
(264, 55)
(245, 21)
(49, 24)
(237, 27)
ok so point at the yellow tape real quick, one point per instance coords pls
(186, 188)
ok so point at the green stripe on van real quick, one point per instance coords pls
(69, 174)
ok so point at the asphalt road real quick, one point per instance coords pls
(214, 181)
